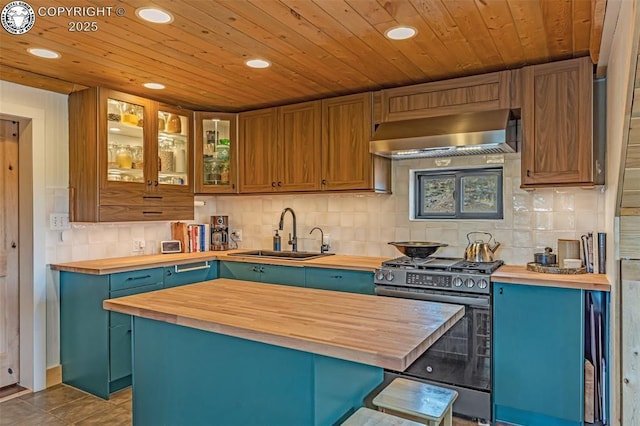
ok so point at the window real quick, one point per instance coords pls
(457, 194)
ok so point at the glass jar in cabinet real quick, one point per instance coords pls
(215, 153)
(174, 148)
(126, 138)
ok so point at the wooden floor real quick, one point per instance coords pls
(63, 405)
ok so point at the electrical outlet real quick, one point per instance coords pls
(59, 221)
(138, 246)
(327, 240)
(237, 234)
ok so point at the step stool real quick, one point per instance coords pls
(417, 401)
(368, 417)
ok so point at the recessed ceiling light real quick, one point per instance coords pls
(400, 33)
(44, 53)
(258, 63)
(155, 86)
(152, 14)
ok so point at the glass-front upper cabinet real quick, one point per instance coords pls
(173, 147)
(125, 139)
(215, 154)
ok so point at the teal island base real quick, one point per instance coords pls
(186, 376)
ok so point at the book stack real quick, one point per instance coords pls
(594, 251)
(194, 237)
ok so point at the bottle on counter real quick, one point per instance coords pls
(277, 241)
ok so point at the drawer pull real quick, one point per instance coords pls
(152, 197)
(152, 213)
(338, 277)
(189, 267)
(142, 277)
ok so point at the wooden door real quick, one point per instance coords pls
(299, 147)
(346, 132)
(9, 299)
(558, 123)
(257, 150)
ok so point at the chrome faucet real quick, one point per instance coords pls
(323, 247)
(293, 242)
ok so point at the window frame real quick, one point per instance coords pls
(418, 178)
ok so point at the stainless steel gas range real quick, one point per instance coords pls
(461, 358)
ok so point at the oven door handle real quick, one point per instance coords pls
(482, 301)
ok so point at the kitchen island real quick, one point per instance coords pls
(234, 352)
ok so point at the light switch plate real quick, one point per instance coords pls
(59, 221)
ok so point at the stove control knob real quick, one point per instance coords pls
(483, 283)
(379, 275)
(457, 281)
(469, 282)
(389, 276)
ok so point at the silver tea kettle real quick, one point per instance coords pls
(480, 251)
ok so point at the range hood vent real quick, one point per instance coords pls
(486, 132)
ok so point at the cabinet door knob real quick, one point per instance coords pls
(501, 290)
(279, 183)
(273, 184)
(155, 183)
(324, 181)
(528, 173)
(149, 182)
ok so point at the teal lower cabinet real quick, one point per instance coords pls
(340, 280)
(270, 274)
(186, 376)
(190, 273)
(95, 345)
(538, 355)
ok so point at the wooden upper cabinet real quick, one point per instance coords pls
(257, 150)
(346, 133)
(130, 159)
(467, 94)
(299, 147)
(557, 124)
(216, 153)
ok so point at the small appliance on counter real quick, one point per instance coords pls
(219, 233)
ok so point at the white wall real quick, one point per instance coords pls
(363, 224)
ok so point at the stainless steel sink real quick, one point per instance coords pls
(288, 255)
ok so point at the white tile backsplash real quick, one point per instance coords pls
(359, 224)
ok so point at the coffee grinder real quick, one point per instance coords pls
(219, 233)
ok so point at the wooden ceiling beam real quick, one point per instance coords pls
(39, 81)
(597, 23)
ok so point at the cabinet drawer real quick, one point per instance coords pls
(127, 213)
(119, 352)
(190, 273)
(115, 197)
(127, 280)
(340, 280)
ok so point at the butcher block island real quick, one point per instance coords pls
(244, 353)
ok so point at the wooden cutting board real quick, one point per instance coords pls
(589, 391)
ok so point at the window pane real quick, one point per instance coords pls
(437, 194)
(479, 194)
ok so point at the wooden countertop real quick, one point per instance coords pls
(132, 263)
(340, 261)
(520, 275)
(381, 331)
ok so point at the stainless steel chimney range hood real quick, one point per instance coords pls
(484, 132)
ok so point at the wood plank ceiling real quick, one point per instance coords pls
(318, 48)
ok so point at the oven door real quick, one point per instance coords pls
(462, 356)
